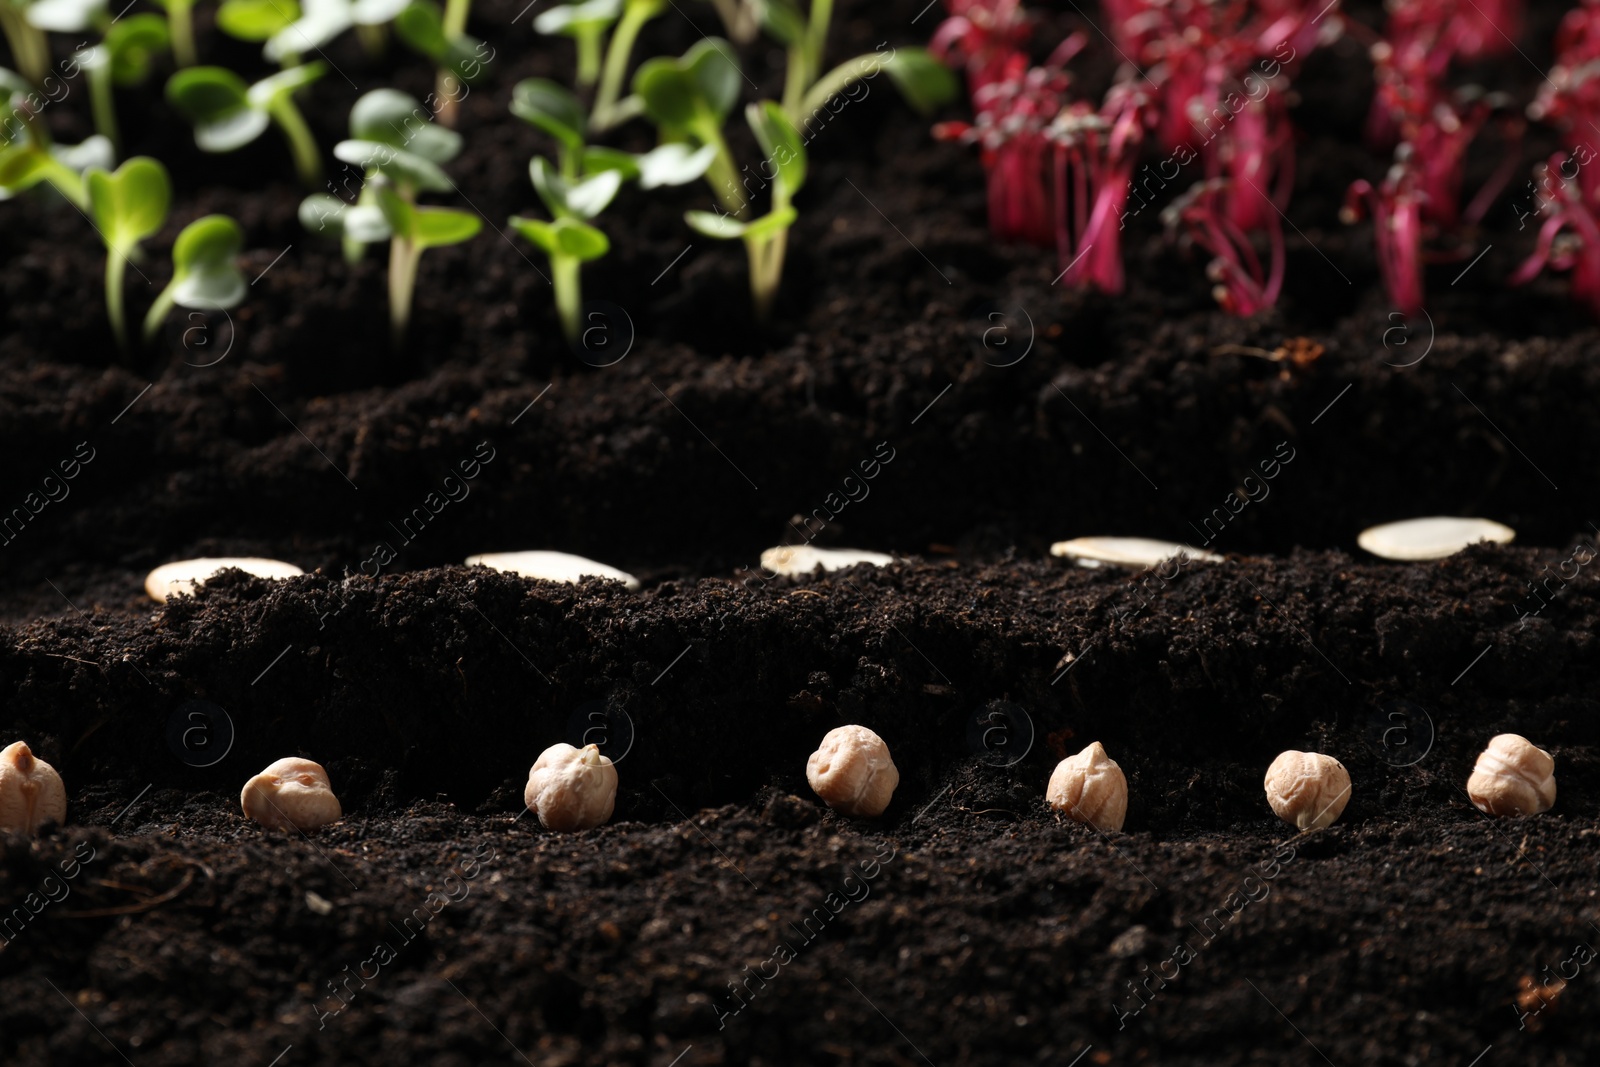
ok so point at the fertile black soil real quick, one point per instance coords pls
(994, 934)
(998, 414)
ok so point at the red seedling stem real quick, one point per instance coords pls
(1396, 209)
(1095, 155)
(1570, 236)
(1241, 287)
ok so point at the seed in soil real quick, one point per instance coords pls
(551, 566)
(292, 794)
(852, 772)
(1307, 790)
(1139, 553)
(1090, 788)
(1431, 538)
(31, 792)
(183, 577)
(570, 788)
(803, 559)
(1513, 777)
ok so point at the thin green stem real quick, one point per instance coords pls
(447, 91)
(29, 47)
(817, 36)
(158, 312)
(795, 79)
(180, 24)
(102, 105)
(618, 53)
(588, 57)
(835, 81)
(373, 39)
(455, 18)
(116, 265)
(307, 161)
(566, 277)
(722, 176)
(405, 255)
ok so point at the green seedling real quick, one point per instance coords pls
(582, 184)
(766, 238)
(400, 152)
(922, 80)
(66, 16)
(291, 29)
(205, 271)
(569, 240)
(609, 106)
(124, 58)
(741, 18)
(586, 22)
(228, 114)
(28, 157)
(442, 37)
(126, 205)
(30, 50)
(689, 99)
(180, 26)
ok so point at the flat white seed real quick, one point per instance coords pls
(1136, 552)
(852, 772)
(292, 794)
(186, 575)
(1307, 790)
(803, 559)
(1513, 777)
(551, 566)
(1090, 788)
(31, 792)
(571, 788)
(1432, 538)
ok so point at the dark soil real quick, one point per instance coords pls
(995, 934)
(679, 445)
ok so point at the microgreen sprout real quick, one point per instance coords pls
(1395, 205)
(180, 27)
(123, 58)
(582, 184)
(29, 158)
(443, 38)
(30, 49)
(1240, 285)
(609, 108)
(126, 205)
(399, 151)
(586, 22)
(1569, 239)
(1095, 154)
(228, 114)
(569, 241)
(205, 271)
(765, 238)
(688, 99)
(291, 30)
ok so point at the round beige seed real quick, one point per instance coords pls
(292, 794)
(31, 792)
(1513, 777)
(571, 788)
(1090, 788)
(852, 772)
(1307, 790)
(186, 575)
